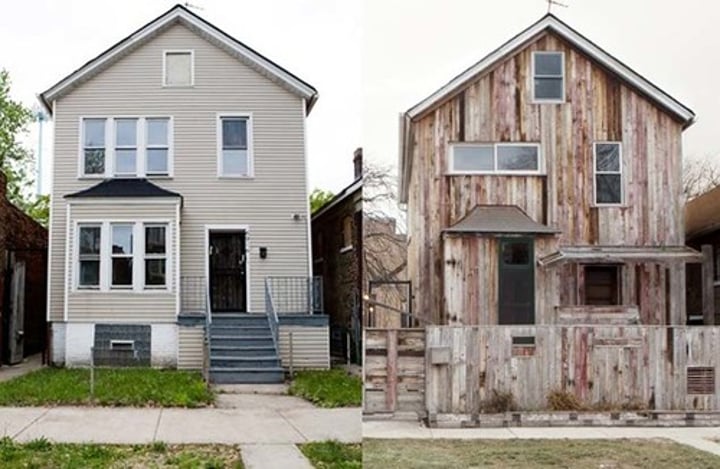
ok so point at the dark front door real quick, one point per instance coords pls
(228, 271)
(516, 299)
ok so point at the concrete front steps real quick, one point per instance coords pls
(242, 350)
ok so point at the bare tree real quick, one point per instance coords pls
(699, 176)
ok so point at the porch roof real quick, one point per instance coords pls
(509, 219)
(609, 254)
(124, 187)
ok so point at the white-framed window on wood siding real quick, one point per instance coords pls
(235, 145)
(94, 145)
(121, 267)
(155, 255)
(495, 158)
(178, 68)
(607, 163)
(126, 146)
(548, 72)
(89, 248)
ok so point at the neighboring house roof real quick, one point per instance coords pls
(702, 214)
(621, 254)
(129, 187)
(499, 219)
(179, 13)
(349, 191)
(551, 23)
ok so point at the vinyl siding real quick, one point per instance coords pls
(311, 346)
(123, 306)
(190, 347)
(132, 86)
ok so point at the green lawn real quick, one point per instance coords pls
(328, 388)
(333, 455)
(113, 387)
(43, 454)
(530, 454)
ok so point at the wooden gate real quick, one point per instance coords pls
(394, 371)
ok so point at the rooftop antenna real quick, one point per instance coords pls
(192, 7)
(555, 2)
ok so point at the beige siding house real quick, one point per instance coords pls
(179, 187)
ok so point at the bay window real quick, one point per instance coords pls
(126, 147)
(122, 255)
(155, 256)
(89, 256)
(93, 149)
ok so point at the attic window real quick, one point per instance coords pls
(548, 76)
(178, 68)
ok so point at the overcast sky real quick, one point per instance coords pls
(371, 59)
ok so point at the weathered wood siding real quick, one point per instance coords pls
(497, 107)
(606, 365)
(394, 371)
(311, 346)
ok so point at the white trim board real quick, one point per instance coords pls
(179, 13)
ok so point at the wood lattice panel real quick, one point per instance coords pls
(701, 380)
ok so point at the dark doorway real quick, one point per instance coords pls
(516, 303)
(228, 271)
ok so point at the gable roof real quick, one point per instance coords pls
(549, 22)
(124, 187)
(180, 14)
(348, 191)
(509, 219)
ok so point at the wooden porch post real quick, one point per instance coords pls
(708, 293)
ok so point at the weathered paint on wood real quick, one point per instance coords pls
(602, 365)
(453, 277)
(394, 370)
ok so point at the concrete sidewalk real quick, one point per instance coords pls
(261, 424)
(697, 437)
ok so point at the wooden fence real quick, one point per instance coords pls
(657, 367)
(394, 371)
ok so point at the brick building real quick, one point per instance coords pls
(337, 258)
(23, 260)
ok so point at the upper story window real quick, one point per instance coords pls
(179, 68)
(608, 173)
(126, 147)
(235, 146)
(548, 76)
(93, 151)
(347, 234)
(498, 158)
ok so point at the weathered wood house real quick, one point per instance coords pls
(543, 186)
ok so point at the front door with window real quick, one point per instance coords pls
(516, 299)
(228, 271)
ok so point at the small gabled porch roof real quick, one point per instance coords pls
(621, 254)
(499, 219)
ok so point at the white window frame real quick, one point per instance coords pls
(108, 151)
(504, 172)
(533, 76)
(138, 284)
(164, 67)
(250, 145)
(130, 256)
(116, 147)
(146, 146)
(619, 172)
(151, 256)
(141, 155)
(78, 259)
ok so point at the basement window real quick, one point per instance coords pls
(602, 285)
(548, 77)
(122, 345)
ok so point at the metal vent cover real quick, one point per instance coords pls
(701, 380)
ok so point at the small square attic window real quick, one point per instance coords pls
(178, 68)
